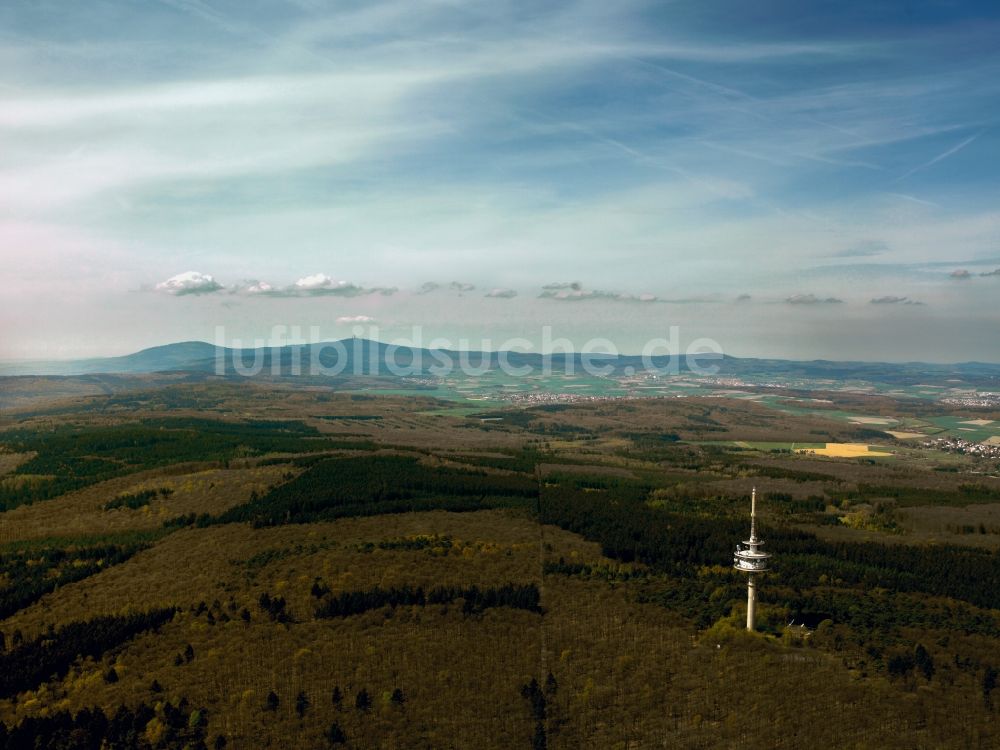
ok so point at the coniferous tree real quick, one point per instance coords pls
(533, 694)
(301, 703)
(335, 735)
(319, 589)
(924, 661)
(989, 683)
(539, 742)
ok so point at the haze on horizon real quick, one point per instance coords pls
(791, 181)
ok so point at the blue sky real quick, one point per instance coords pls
(792, 179)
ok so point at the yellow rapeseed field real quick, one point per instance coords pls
(845, 450)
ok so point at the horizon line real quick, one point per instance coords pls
(67, 360)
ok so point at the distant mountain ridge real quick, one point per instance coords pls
(368, 357)
(185, 355)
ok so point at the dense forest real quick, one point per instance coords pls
(369, 485)
(70, 457)
(29, 574)
(474, 599)
(138, 728)
(26, 665)
(631, 530)
(374, 575)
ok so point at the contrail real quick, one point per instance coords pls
(942, 156)
(914, 199)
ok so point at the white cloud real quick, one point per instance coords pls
(455, 286)
(349, 319)
(314, 285)
(321, 284)
(572, 294)
(189, 282)
(253, 286)
(316, 281)
(500, 293)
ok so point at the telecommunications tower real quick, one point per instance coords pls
(750, 559)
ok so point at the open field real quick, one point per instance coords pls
(873, 420)
(978, 430)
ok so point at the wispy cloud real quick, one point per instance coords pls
(915, 199)
(452, 286)
(893, 300)
(812, 299)
(864, 249)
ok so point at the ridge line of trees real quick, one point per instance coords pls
(475, 599)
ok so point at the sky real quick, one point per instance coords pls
(795, 180)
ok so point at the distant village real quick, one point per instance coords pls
(989, 400)
(538, 398)
(967, 447)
